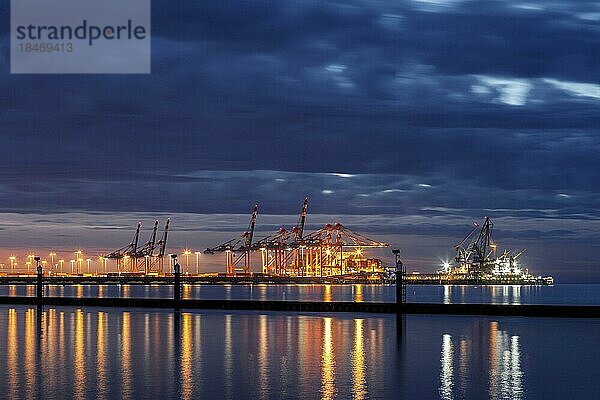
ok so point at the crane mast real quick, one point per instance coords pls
(153, 238)
(136, 239)
(250, 233)
(300, 226)
(163, 241)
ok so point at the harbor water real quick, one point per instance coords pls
(567, 294)
(94, 353)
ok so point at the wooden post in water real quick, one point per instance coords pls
(39, 287)
(400, 283)
(176, 282)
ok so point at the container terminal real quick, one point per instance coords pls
(333, 253)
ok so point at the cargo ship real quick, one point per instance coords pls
(477, 262)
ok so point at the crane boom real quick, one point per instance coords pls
(153, 238)
(519, 254)
(136, 238)
(475, 227)
(163, 242)
(300, 230)
(250, 234)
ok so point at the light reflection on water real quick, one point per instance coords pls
(447, 368)
(327, 363)
(505, 367)
(113, 353)
(495, 294)
(359, 383)
(505, 377)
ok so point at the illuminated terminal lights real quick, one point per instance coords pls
(332, 250)
(477, 260)
(476, 256)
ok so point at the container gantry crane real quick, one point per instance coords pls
(290, 252)
(285, 248)
(241, 244)
(143, 254)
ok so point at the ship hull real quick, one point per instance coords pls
(442, 279)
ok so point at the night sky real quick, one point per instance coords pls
(406, 120)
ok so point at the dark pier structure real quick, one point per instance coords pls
(399, 307)
(319, 307)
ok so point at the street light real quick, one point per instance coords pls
(102, 263)
(187, 253)
(52, 255)
(78, 255)
(197, 262)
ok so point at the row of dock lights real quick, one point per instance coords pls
(187, 253)
(40, 283)
(76, 263)
(80, 264)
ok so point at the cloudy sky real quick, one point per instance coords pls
(406, 120)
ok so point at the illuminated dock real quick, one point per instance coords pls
(194, 279)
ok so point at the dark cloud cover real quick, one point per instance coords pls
(418, 109)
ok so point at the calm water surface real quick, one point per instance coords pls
(582, 294)
(94, 353)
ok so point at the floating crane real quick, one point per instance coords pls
(476, 255)
(241, 244)
(479, 255)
